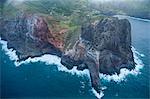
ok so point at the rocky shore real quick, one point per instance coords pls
(29, 35)
(103, 46)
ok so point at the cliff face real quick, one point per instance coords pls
(29, 36)
(104, 46)
(112, 39)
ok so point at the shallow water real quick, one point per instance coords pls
(44, 77)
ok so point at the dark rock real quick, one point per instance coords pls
(28, 35)
(112, 38)
(104, 47)
(84, 58)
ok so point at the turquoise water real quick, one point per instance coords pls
(40, 80)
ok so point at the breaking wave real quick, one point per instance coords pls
(55, 60)
(99, 96)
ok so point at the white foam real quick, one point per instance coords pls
(99, 96)
(124, 72)
(52, 59)
(10, 52)
(47, 59)
(136, 52)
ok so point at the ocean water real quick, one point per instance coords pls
(44, 77)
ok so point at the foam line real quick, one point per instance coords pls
(47, 59)
(124, 72)
(99, 96)
(52, 59)
(10, 52)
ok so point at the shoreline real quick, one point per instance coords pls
(50, 59)
(135, 18)
(55, 60)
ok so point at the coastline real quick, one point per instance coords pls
(55, 60)
(49, 59)
(135, 18)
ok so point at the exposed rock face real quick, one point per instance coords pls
(112, 38)
(29, 36)
(104, 47)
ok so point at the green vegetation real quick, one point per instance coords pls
(72, 14)
(136, 8)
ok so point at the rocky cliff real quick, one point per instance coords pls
(103, 46)
(29, 35)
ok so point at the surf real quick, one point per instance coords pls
(55, 60)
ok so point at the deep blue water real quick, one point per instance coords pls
(38, 80)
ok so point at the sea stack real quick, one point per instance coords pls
(103, 47)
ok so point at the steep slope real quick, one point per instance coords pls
(29, 35)
(103, 47)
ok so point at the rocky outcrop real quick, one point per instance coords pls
(29, 35)
(104, 46)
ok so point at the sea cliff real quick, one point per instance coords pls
(103, 46)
